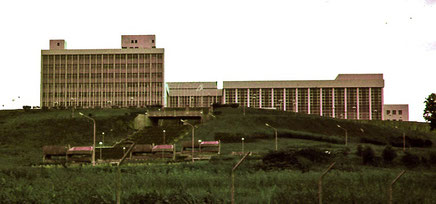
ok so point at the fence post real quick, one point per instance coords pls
(320, 182)
(233, 176)
(119, 172)
(392, 183)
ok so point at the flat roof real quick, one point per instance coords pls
(343, 80)
(102, 51)
(192, 85)
(193, 92)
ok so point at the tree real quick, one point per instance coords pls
(430, 110)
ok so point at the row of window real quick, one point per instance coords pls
(394, 112)
(105, 67)
(289, 99)
(99, 85)
(106, 58)
(104, 75)
(71, 95)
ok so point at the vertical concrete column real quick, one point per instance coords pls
(224, 95)
(358, 104)
(284, 99)
(370, 104)
(90, 91)
(345, 104)
(272, 98)
(333, 103)
(382, 111)
(113, 81)
(66, 85)
(260, 98)
(78, 91)
(248, 97)
(320, 102)
(296, 100)
(308, 100)
(236, 95)
(137, 84)
(53, 90)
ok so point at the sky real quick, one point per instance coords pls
(234, 40)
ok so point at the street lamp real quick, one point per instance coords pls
(186, 123)
(404, 140)
(93, 145)
(163, 131)
(242, 139)
(102, 133)
(275, 132)
(73, 100)
(346, 134)
(101, 145)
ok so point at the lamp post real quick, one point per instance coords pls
(242, 139)
(163, 131)
(101, 145)
(275, 133)
(102, 134)
(404, 140)
(93, 144)
(346, 134)
(74, 106)
(192, 148)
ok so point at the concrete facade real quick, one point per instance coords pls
(396, 112)
(349, 96)
(92, 78)
(193, 94)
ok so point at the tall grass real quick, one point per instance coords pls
(205, 181)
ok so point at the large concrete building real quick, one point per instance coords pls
(192, 94)
(349, 96)
(396, 112)
(89, 78)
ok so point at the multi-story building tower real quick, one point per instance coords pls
(396, 112)
(192, 94)
(349, 96)
(131, 76)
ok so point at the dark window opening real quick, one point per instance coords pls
(136, 41)
(152, 41)
(131, 41)
(59, 44)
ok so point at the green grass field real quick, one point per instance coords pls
(24, 180)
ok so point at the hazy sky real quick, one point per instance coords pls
(235, 40)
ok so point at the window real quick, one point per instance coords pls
(152, 41)
(388, 112)
(400, 112)
(394, 112)
(132, 41)
(136, 41)
(59, 44)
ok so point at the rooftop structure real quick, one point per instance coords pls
(396, 112)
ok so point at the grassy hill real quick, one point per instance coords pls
(289, 175)
(22, 134)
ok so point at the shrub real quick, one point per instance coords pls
(368, 155)
(26, 108)
(229, 137)
(410, 160)
(288, 159)
(388, 154)
(359, 150)
(432, 158)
